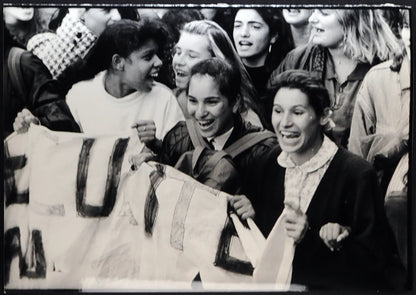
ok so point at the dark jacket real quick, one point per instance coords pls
(43, 95)
(348, 194)
(177, 141)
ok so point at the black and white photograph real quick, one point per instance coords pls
(224, 147)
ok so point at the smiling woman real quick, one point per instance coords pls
(212, 105)
(345, 43)
(200, 40)
(329, 199)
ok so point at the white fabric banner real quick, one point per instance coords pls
(77, 217)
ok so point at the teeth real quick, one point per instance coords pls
(289, 134)
(245, 43)
(205, 123)
(180, 73)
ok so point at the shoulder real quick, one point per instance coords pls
(162, 91)
(79, 90)
(178, 133)
(351, 164)
(32, 62)
(382, 66)
(96, 81)
(304, 50)
(264, 164)
(380, 71)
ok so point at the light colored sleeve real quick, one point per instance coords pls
(363, 122)
(172, 115)
(72, 100)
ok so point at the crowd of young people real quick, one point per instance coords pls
(325, 93)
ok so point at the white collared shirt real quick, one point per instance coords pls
(219, 141)
(302, 181)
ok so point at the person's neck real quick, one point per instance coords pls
(344, 65)
(300, 34)
(114, 85)
(255, 61)
(300, 159)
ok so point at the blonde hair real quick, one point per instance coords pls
(367, 36)
(221, 46)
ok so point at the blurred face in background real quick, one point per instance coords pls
(97, 19)
(12, 15)
(251, 37)
(190, 49)
(326, 28)
(297, 17)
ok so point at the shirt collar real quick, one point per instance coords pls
(358, 73)
(326, 153)
(219, 141)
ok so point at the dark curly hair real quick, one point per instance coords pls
(307, 82)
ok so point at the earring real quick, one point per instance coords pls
(270, 47)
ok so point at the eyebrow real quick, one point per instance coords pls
(297, 105)
(188, 50)
(250, 22)
(205, 98)
(147, 51)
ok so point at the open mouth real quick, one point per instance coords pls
(289, 134)
(205, 124)
(180, 73)
(245, 43)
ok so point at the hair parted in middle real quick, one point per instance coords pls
(226, 76)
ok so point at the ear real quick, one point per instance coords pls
(274, 38)
(117, 62)
(326, 117)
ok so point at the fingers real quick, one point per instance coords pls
(142, 123)
(23, 120)
(146, 130)
(332, 234)
(248, 214)
(296, 224)
(137, 160)
(242, 206)
(344, 234)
